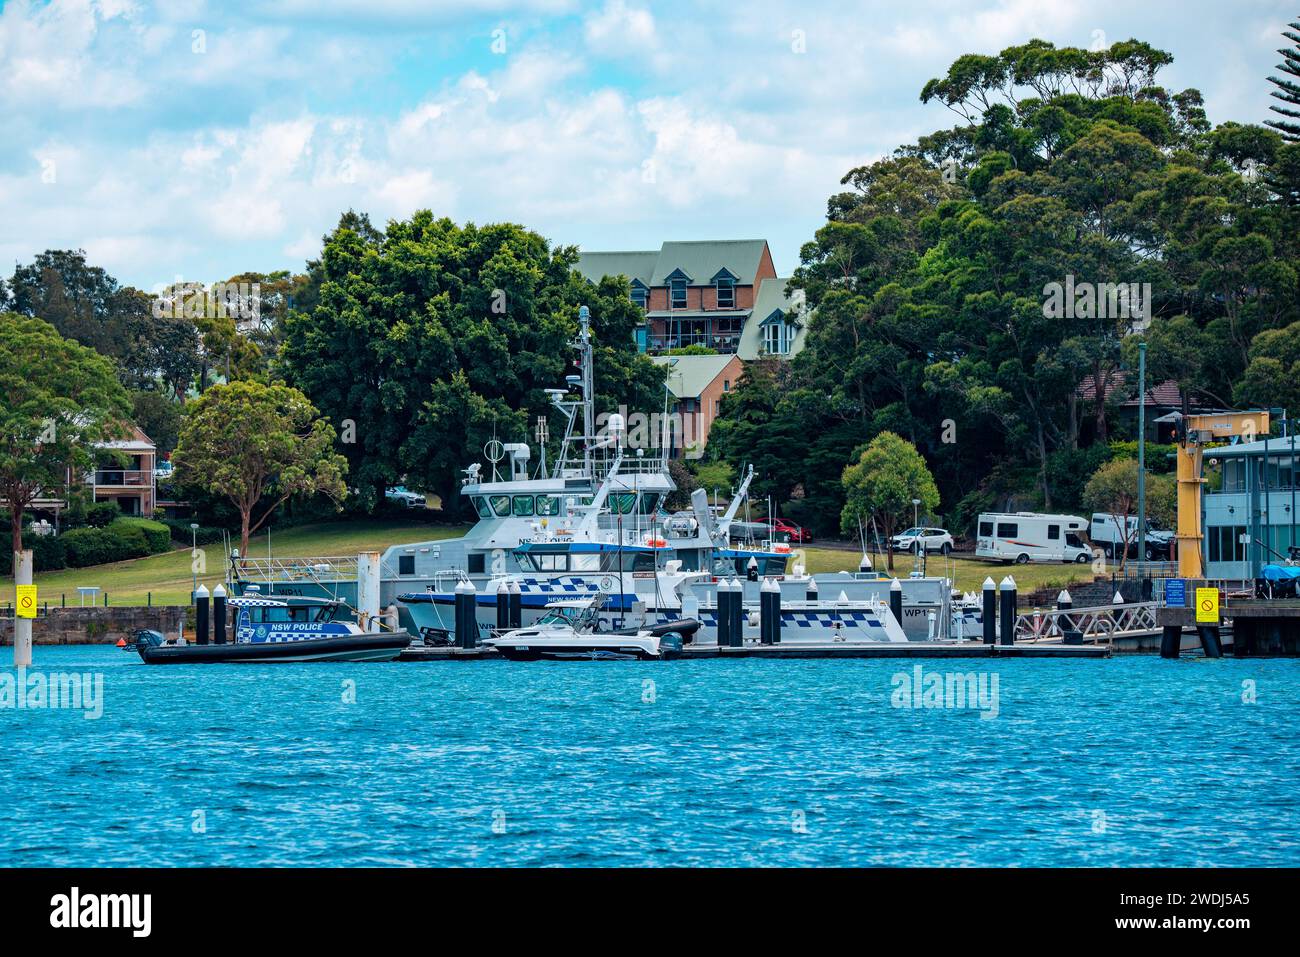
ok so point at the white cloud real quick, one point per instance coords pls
(618, 27)
(611, 125)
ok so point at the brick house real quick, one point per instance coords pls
(723, 295)
(697, 385)
(132, 484)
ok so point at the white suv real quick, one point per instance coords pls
(404, 496)
(931, 539)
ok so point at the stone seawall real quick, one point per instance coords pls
(83, 626)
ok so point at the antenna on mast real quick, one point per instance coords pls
(543, 434)
(588, 396)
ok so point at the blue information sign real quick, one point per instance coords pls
(1176, 593)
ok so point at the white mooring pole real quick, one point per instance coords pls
(368, 582)
(22, 626)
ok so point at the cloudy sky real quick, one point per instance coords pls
(201, 139)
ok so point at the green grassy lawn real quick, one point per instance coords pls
(967, 573)
(167, 576)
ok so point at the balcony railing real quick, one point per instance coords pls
(722, 342)
(122, 478)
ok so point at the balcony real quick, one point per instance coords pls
(121, 478)
(724, 343)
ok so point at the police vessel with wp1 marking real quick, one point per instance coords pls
(276, 630)
(598, 490)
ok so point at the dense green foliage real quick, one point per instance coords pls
(59, 398)
(932, 285)
(256, 444)
(888, 482)
(429, 339)
(124, 539)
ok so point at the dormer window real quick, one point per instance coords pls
(726, 292)
(777, 334)
(677, 293)
(640, 295)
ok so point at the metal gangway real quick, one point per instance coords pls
(1099, 624)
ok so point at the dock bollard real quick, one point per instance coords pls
(811, 593)
(989, 617)
(1063, 601)
(466, 615)
(896, 601)
(766, 618)
(751, 570)
(723, 614)
(219, 615)
(516, 605)
(774, 633)
(737, 613)
(1008, 590)
(503, 607)
(201, 615)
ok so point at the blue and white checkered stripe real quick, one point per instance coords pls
(811, 619)
(557, 586)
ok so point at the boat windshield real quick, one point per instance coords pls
(273, 614)
(565, 615)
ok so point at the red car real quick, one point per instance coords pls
(795, 533)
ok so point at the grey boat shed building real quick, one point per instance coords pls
(1251, 519)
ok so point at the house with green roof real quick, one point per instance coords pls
(697, 384)
(712, 293)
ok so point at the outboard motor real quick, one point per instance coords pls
(670, 645)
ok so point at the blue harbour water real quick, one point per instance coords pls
(1094, 763)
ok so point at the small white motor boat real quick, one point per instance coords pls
(567, 631)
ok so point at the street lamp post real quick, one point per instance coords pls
(194, 570)
(1142, 452)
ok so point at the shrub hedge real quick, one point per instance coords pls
(48, 554)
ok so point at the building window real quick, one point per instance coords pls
(775, 339)
(726, 385)
(640, 296)
(677, 293)
(726, 293)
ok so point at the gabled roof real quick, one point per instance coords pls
(704, 259)
(1164, 394)
(635, 265)
(770, 299)
(689, 376)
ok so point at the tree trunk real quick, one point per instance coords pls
(245, 516)
(16, 527)
(889, 545)
(1042, 465)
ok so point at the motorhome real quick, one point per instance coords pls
(1022, 537)
(1116, 533)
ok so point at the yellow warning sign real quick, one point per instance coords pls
(26, 601)
(1207, 606)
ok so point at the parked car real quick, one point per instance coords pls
(404, 496)
(781, 528)
(931, 539)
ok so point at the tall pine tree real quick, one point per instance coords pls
(1288, 91)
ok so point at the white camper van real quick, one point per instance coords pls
(1111, 532)
(1022, 537)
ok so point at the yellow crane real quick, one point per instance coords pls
(1194, 431)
